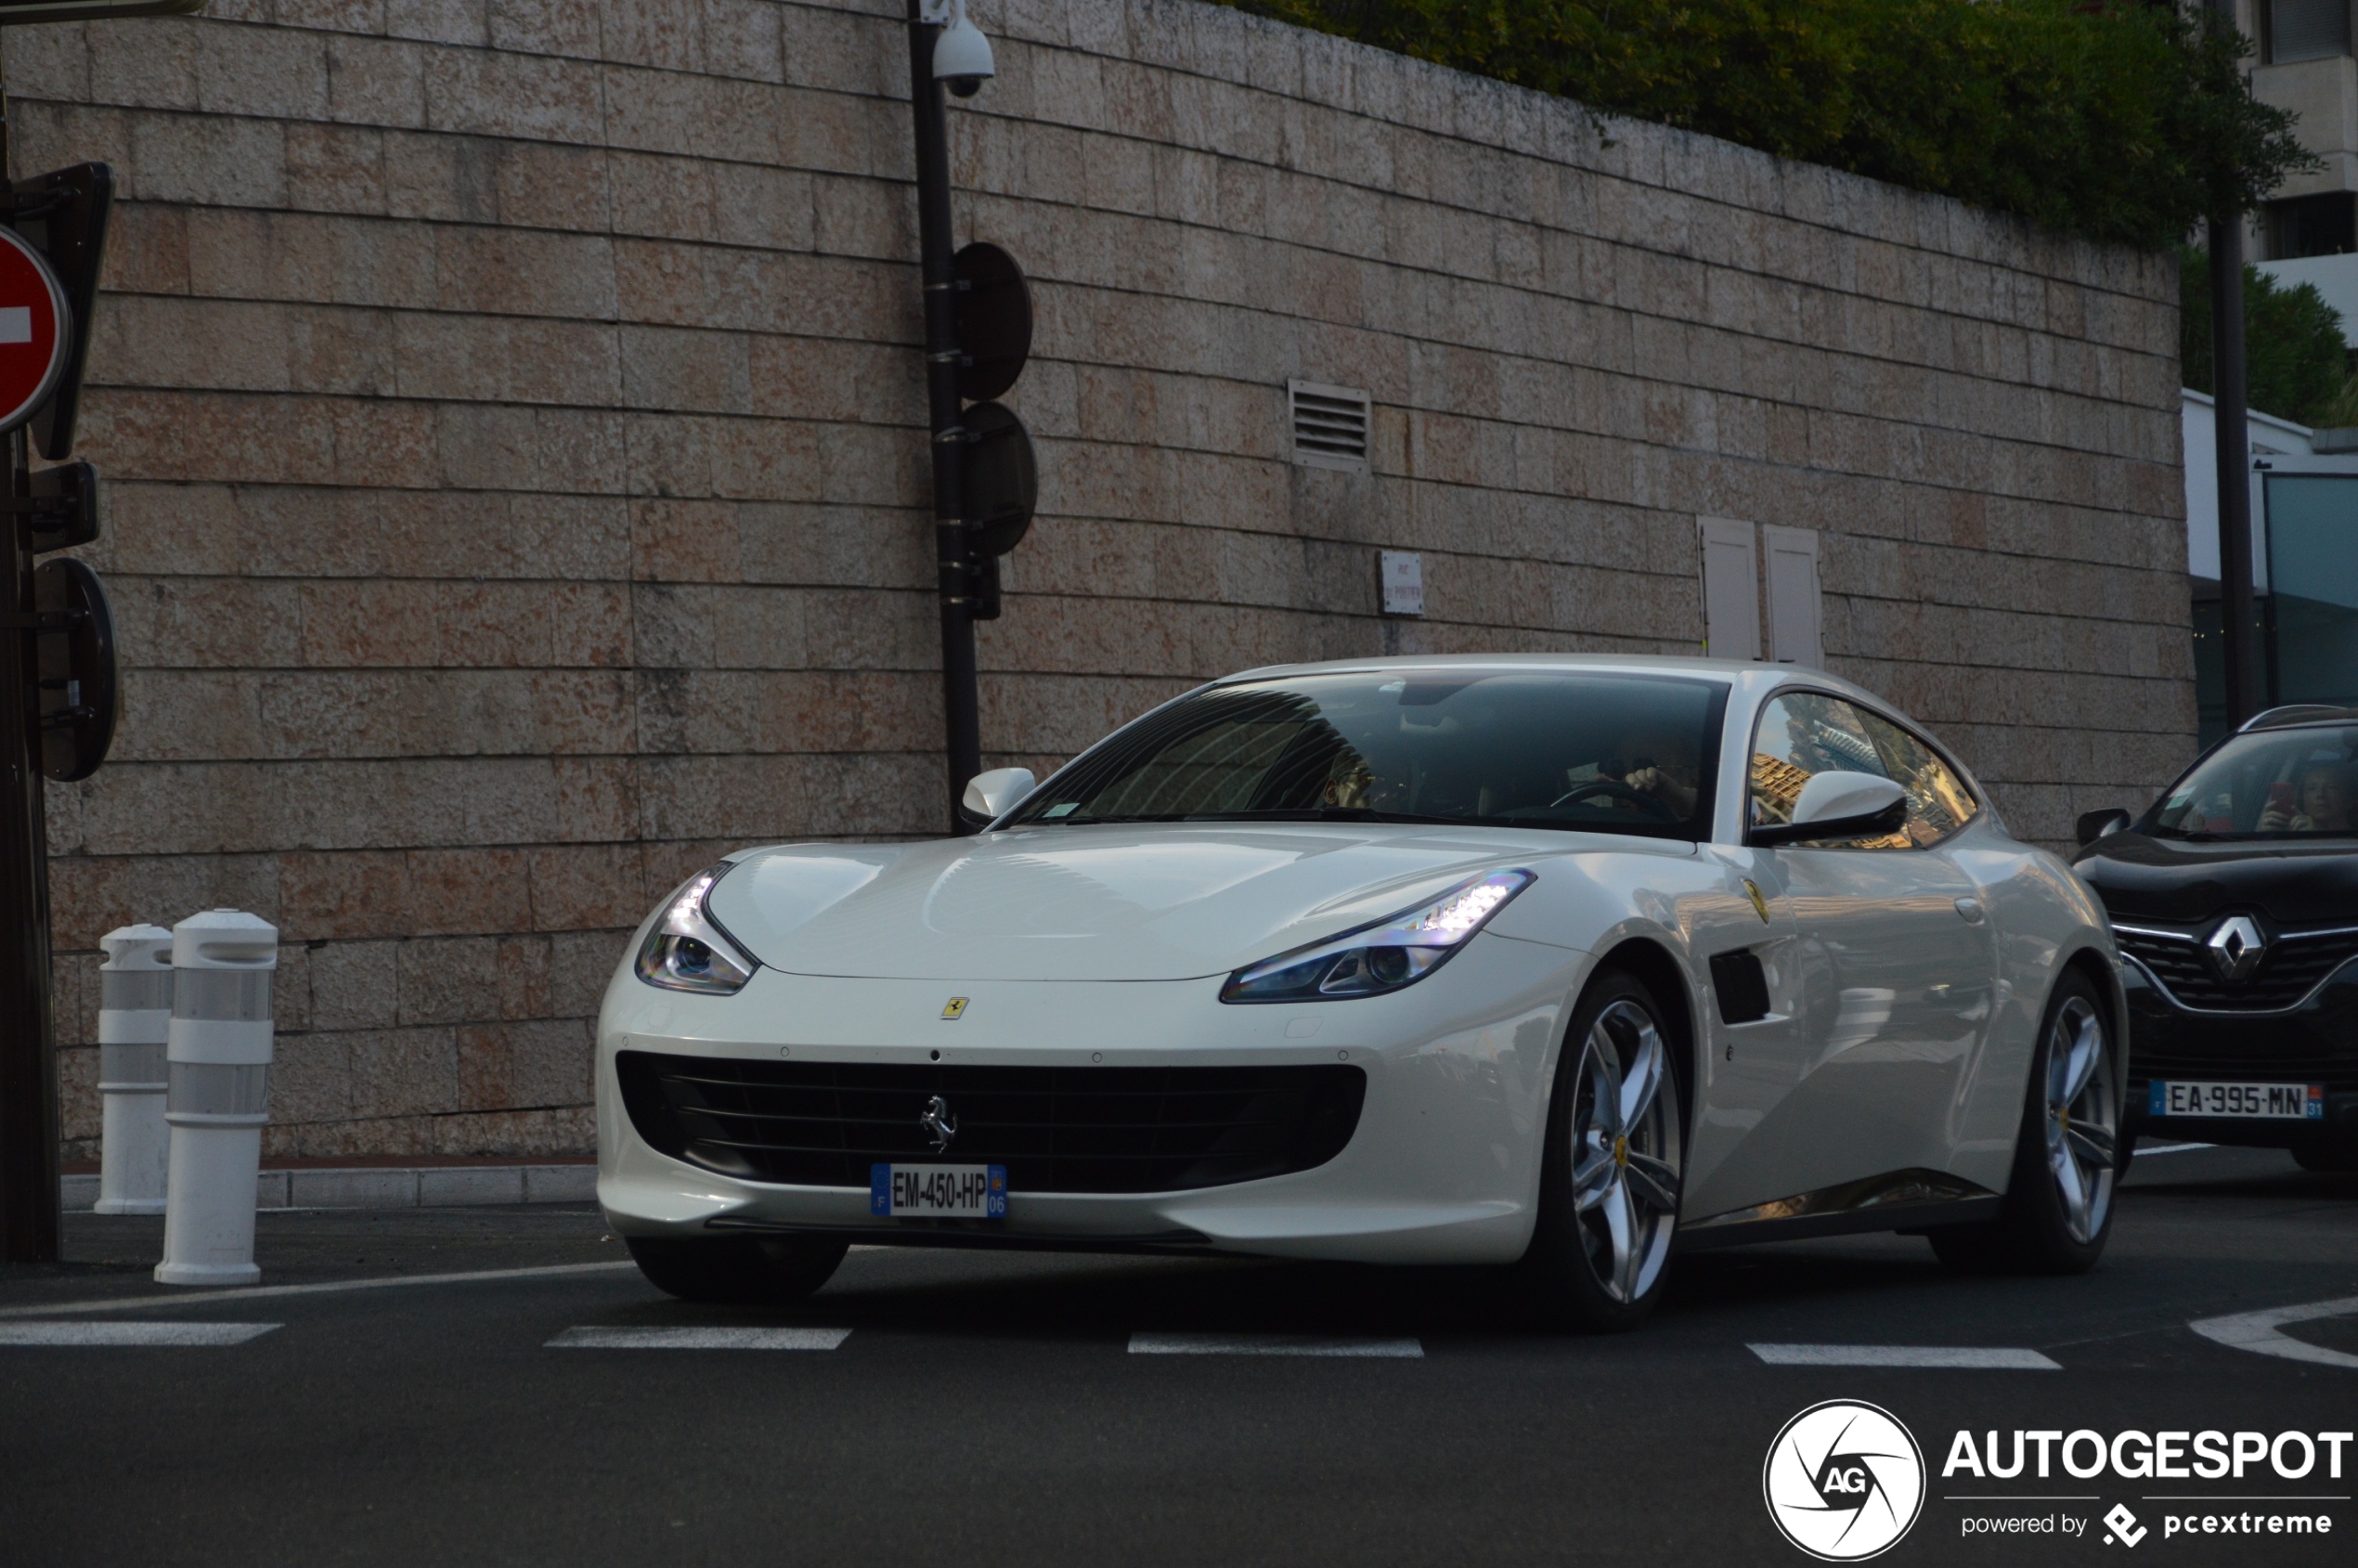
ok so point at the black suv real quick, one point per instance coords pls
(2236, 902)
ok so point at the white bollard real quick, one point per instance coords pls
(219, 1064)
(135, 1006)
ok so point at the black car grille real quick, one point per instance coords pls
(2288, 972)
(2302, 1058)
(1099, 1129)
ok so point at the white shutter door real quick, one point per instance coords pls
(1730, 589)
(1793, 596)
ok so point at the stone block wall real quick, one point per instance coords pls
(513, 428)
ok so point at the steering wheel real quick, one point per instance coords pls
(1618, 791)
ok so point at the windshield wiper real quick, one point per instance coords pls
(1324, 814)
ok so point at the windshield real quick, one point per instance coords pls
(2275, 783)
(1526, 748)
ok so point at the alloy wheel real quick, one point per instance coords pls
(1626, 1155)
(2083, 1118)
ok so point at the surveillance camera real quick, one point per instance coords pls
(962, 54)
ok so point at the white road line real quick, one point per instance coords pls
(1996, 1357)
(2257, 1331)
(2168, 1148)
(699, 1338)
(263, 1292)
(1273, 1344)
(133, 1333)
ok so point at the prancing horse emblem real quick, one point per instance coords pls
(940, 1123)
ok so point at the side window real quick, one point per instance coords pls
(1939, 802)
(1804, 734)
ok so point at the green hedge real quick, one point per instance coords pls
(2114, 119)
(2295, 366)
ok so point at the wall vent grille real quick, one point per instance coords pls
(1329, 425)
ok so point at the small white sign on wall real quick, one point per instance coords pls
(1403, 583)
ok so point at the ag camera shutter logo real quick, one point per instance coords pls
(1843, 1481)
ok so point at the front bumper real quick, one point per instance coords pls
(1443, 1167)
(2316, 1042)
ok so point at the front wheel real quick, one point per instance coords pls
(2067, 1160)
(773, 1270)
(1608, 1193)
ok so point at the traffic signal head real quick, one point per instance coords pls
(64, 510)
(63, 215)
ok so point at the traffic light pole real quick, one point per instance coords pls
(952, 549)
(2233, 458)
(2232, 452)
(27, 1060)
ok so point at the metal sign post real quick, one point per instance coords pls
(28, 1057)
(960, 716)
(977, 313)
(59, 697)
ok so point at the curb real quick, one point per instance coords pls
(454, 1186)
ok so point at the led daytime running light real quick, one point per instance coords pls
(1383, 956)
(687, 949)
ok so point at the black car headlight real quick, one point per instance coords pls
(1383, 956)
(686, 951)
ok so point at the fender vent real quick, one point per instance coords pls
(1740, 985)
(1329, 425)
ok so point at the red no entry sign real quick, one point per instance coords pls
(33, 330)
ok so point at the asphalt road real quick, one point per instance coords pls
(990, 1408)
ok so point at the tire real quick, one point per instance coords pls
(2058, 1208)
(1614, 1163)
(2327, 1159)
(773, 1270)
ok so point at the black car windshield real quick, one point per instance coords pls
(2274, 783)
(1595, 752)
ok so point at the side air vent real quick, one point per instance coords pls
(1329, 425)
(1741, 986)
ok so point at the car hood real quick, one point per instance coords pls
(1111, 902)
(2185, 882)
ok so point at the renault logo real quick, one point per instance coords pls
(2236, 947)
(938, 1120)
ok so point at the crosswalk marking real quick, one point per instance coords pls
(1274, 1345)
(1983, 1358)
(589, 1337)
(260, 1292)
(30, 1333)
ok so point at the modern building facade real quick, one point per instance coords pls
(2304, 562)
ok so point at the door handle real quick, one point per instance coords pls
(1970, 909)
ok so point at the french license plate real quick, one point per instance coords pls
(2251, 1102)
(940, 1192)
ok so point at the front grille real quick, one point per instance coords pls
(1104, 1130)
(2288, 972)
(2302, 1058)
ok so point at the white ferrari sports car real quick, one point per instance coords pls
(1569, 963)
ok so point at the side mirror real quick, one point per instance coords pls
(1838, 806)
(989, 795)
(2093, 825)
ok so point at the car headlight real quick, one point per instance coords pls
(1389, 953)
(687, 952)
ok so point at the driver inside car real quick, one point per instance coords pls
(2320, 802)
(1658, 766)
